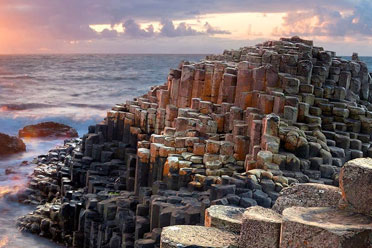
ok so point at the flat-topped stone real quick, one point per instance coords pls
(260, 228)
(224, 217)
(356, 185)
(324, 227)
(307, 195)
(196, 236)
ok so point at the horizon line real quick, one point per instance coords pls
(109, 53)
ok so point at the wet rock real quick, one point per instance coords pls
(10, 145)
(9, 171)
(48, 129)
(35, 228)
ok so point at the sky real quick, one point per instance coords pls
(180, 26)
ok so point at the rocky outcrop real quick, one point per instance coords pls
(48, 129)
(10, 145)
(231, 130)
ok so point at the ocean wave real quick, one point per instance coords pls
(27, 106)
(95, 106)
(9, 77)
(24, 106)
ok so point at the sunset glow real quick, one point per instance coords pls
(114, 26)
(5, 190)
(4, 242)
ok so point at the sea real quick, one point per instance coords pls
(76, 90)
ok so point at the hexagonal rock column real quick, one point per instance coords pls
(356, 185)
(224, 217)
(196, 236)
(307, 195)
(324, 228)
(260, 228)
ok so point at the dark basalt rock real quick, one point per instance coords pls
(10, 145)
(48, 129)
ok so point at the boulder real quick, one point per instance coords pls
(307, 195)
(260, 228)
(196, 236)
(356, 185)
(48, 129)
(10, 145)
(224, 217)
(324, 227)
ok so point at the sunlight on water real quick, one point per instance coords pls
(4, 241)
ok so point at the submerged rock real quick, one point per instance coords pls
(9, 171)
(10, 145)
(48, 129)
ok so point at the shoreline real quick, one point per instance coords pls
(234, 129)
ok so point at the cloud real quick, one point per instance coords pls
(330, 22)
(169, 30)
(108, 33)
(48, 24)
(69, 18)
(133, 29)
(213, 30)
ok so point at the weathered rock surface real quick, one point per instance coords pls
(196, 236)
(324, 228)
(48, 129)
(260, 228)
(10, 145)
(224, 217)
(307, 195)
(356, 185)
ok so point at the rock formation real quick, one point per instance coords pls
(10, 145)
(234, 129)
(48, 129)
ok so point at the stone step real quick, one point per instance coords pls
(307, 195)
(356, 185)
(224, 217)
(260, 228)
(196, 236)
(324, 227)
